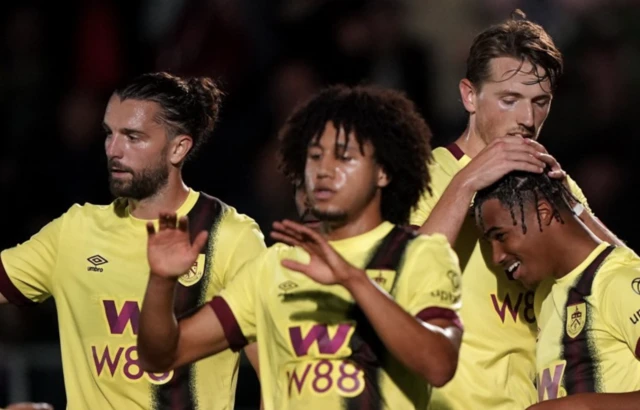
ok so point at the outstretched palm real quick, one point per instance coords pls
(169, 250)
(325, 266)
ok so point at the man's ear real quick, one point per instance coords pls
(468, 94)
(545, 210)
(383, 178)
(180, 146)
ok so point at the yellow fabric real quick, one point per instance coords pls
(609, 320)
(93, 261)
(496, 369)
(301, 369)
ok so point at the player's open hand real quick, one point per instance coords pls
(30, 406)
(169, 250)
(325, 266)
(555, 170)
(501, 156)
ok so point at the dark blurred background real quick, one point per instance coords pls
(59, 62)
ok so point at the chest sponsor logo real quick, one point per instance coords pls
(323, 366)
(117, 356)
(195, 273)
(550, 381)
(576, 318)
(510, 308)
(96, 261)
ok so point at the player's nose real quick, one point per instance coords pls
(498, 253)
(327, 166)
(113, 147)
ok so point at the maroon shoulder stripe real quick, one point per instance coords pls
(229, 323)
(180, 393)
(455, 150)
(9, 290)
(581, 375)
(368, 352)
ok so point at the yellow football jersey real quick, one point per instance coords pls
(589, 337)
(316, 351)
(496, 369)
(93, 261)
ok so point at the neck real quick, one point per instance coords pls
(572, 245)
(168, 199)
(367, 220)
(470, 142)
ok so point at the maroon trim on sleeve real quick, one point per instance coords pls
(229, 323)
(455, 150)
(10, 292)
(431, 313)
(638, 349)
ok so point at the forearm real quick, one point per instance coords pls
(158, 332)
(423, 348)
(593, 401)
(599, 229)
(450, 212)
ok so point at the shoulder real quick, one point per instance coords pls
(444, 163)
(78, 213)
(619, 274)
(432, 247)
(435, 242)
(231, 220)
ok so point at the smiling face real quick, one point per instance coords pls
(343, 180)
(513, 101)
(527, 257)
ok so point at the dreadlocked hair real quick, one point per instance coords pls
(386, 118)
(518, 188)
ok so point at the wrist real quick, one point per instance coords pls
(354, 279)
(464, 186)
(161, 282)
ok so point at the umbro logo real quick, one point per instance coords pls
(96, 260)
(288, 285)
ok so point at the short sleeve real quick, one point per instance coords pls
(433, 279)
(237, 241)
(26, 270)
(578, 194)
(236, 304)
(249, 242)
(620, 305)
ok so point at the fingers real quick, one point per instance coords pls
(199, 241)
(303, 231)
(284, 238)
(167, 220)
(557, 174)
(295, 266)
(285, 230)
(172, 220)
(183, 224)
(553, 164)
(523, 159)
(151, 230)
(507, 145)
(536, 145)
